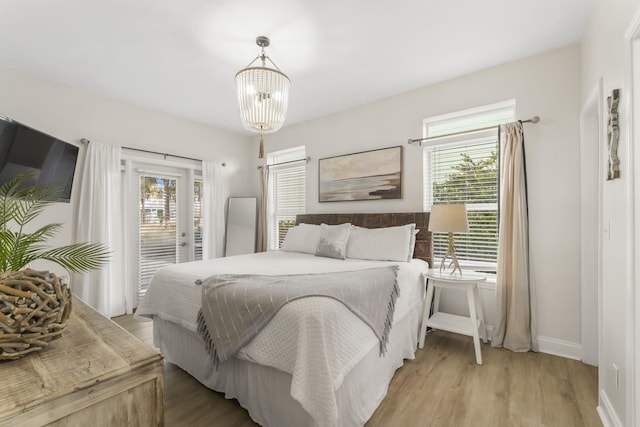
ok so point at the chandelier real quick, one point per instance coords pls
(263, 95)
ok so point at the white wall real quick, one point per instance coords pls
(604, 56)
(547, 85)
(71, 114)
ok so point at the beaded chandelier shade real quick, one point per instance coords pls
(263, 95)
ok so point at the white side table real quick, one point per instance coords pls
(468, 282)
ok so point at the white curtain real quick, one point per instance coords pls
(213, 199)
(100, 220)
(262, 216)
(516, 322)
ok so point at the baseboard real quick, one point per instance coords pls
(606, 412)
(560, 348)
(567, 349)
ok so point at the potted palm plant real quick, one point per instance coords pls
(34, 305)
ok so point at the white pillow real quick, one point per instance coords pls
(382, 244)
(302, 238)
(412, 245)
(333, 240)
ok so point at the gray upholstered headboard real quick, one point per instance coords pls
(424, 248)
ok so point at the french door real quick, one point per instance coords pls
(165, 223)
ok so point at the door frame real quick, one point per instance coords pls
(131, 162)
(591, 222)
(632, 82)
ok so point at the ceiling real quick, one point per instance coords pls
(180, 57)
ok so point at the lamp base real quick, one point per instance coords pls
(451, 251)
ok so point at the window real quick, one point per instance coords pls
(463, 168)
(287, 192)
(197, 219)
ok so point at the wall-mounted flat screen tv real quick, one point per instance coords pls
(44, 158)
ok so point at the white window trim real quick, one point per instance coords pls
(469, 112)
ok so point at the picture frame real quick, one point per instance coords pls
(365, 175)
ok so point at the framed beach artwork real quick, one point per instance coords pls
(368, 175)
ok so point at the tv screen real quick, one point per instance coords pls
(46, 159)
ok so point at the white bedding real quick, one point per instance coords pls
(316, 340)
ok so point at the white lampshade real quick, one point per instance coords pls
(449, 218)
(263, 94)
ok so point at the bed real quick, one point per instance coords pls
(312, 364)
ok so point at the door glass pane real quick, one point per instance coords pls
(197, 220)
(157, 226)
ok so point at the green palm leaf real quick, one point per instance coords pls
(9, 204)
(6, 244)
(33, 201)
(78, 257)
(18, 207)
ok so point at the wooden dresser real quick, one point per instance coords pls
(96, 375)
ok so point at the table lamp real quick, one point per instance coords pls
(449, 219)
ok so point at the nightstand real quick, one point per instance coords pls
(468, 282)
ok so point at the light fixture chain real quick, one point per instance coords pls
(261, 149)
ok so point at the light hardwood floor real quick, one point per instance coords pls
(442, 387)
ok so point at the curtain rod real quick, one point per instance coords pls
(306, 160)
(86, 141)
(534, 119)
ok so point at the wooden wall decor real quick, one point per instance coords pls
(613, 132)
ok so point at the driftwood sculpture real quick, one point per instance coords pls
(34, 308)
(613, 132)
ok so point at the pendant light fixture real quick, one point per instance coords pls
(263, 95)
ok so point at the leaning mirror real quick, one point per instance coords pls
(242, 223)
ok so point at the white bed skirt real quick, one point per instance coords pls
(265, 391)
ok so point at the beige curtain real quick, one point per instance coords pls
(262, 217)
(516, 323)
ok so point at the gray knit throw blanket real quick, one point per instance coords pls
(235, 307)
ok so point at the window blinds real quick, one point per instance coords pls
(197, 220)
(287, 194)
(467, 173)
(158, 225)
